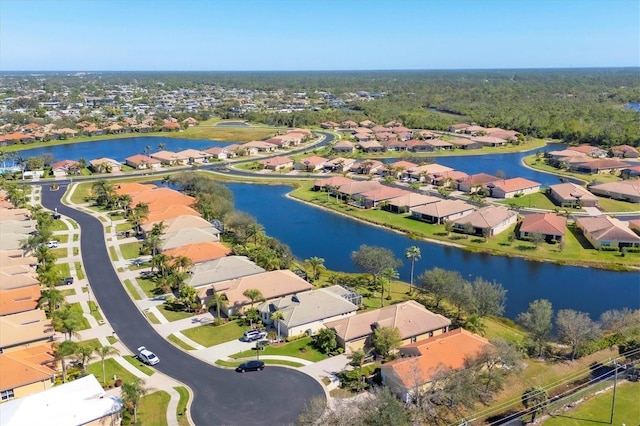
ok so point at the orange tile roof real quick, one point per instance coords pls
(162, 198)
(169, 213)
(19, 299)
(26, 366)
(132, 188)
(200, 252)
(448, 349)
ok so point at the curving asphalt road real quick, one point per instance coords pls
(274, 396)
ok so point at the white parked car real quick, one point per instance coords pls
(52, 244)
(146, 356)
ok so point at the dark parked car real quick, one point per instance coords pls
(250, 366)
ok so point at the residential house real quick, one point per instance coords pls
(475, 182)
(367, 167)
(261, 146)
(624, 151)
(159, 198)
(349, 124)
(190, 121)
(440, 212)
(221, 269)
(200, 252)
(419, 173)
(168, 158)
(312, 164)
(338, 164)
(487, 221)
(343, 147)
(463, 143)
(193, 156)
(605, 232)
(115, 129)
(65, 167)
(591, 151)
(189, 236)
(272, 285)
(515, 187)
(439, 144)
(397, 168)
(600, 165)
(307, 311)
(458, 128)
(408, 201)
(162, 214)
(380, 194)
(626, 190)
(217, 152)
(329, 125)
(332, 182)
(16, 257)
(276, 163)
(549, 225)
(21, 299)
(142, 162)
(508, 135)
(411, 318)
(105, 165)
(180, 223)
(490, 141)
(82, 401)
(25, 372)
(24, 329)
(349, 190)
(571, 195)
(475, 130)
(170, 126)
(370, 146)
(421, 360)
(447, 179)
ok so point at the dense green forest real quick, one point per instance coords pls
(576, 105)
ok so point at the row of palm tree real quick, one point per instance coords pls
(83, 355)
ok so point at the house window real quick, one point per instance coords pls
(7, 394)
(413, 339)
(605, 243)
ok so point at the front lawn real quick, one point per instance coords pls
(182, 405)
(173, 315)
(112, 368)
(83, 321)
(130, 250)
(597, 409)
(152, 410)
(139, 365)
(301, 348)
(211, 335)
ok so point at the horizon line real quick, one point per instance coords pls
(328, 70)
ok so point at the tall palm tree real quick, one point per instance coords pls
(253, 294)
(218, 300)
(413, 254)
(52, 299)
(387, 275)
(256, 231)
(182, 263)
(103, 352)
(67, 321)
(61, 351)
(161, 261)
(45, 256)
(316, 264)
(131, 394)
(277, 315)
(83, 355)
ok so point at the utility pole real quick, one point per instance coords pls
(615, 382)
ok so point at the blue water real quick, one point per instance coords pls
(117, 149)
(311, 231)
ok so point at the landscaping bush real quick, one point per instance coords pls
(296, 337)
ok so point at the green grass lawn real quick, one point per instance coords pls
(132, 290)
(537, 200)
(79, 271)
(82, 191)
(139, 365)
(147, 285)
(112, 253)
(152, 410)
(301, 348)
(173, 315)
(58, 226)
(182, 405)
(152, 317)
(210, 335)
(121, 227)
(63, 268)
(609, 205)
(69, 292)
(84, 322)
(95, 311)
(112, 368)
(91, 343)
(176, 340)
(130, 250)
(59, 253)
(61, 238)
(597, 409)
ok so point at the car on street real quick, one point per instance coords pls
(253, 335)
(146, 356)
(250, 366)
(52, 244)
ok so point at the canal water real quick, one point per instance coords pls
(311, 231)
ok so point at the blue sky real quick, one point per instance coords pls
(233, 35)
